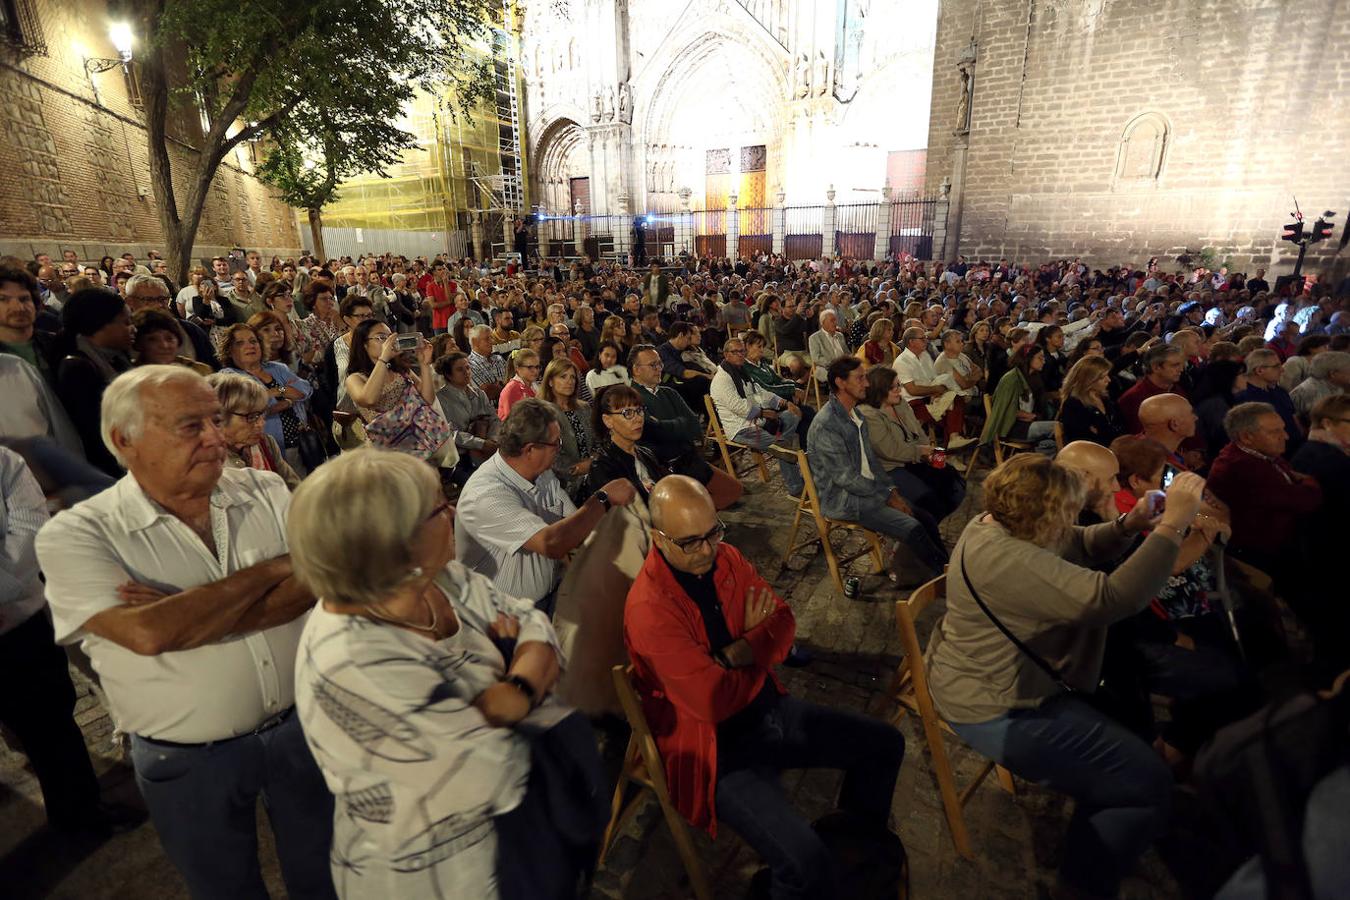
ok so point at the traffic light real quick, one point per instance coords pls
(1292, 232)
(1321, 231)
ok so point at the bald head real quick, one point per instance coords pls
(1168, 419)
(682, 512)
(1098, 467)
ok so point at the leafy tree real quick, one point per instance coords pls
(303, 76)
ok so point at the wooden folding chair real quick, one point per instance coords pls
(729, 447)
(1001, 444)
(642, 765)
(808, 504)
(1059, 435)
(912, 695)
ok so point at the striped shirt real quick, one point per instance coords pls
(22, 514)
(486, 370)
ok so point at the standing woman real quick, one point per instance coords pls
(1027, 565)
(321, 327)
(523, 367)
(1087, 412)
(276, 340)
(99, 329)
(412, 678)
(205, 310)
(241, 351)
(395, 395)
(559, 389)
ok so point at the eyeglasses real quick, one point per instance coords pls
(525, 368)
(557, 443)
(252, 418)
(690, 544)
(361, 317)
(628, 412)
(442, 507)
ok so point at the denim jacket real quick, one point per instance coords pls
(836, 465)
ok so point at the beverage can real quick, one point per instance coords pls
(939, 458)
(851, 587)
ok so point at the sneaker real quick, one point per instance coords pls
(799, 657)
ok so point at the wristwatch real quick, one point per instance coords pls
(522, 685)
(603, 498)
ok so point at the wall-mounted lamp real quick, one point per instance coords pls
(120, 35)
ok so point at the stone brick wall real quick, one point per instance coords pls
(1251, 97)
(74, 167)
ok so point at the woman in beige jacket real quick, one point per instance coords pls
(1019, 700)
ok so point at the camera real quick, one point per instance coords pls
(407, 342)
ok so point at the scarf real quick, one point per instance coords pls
(873, 352)
(737, 377)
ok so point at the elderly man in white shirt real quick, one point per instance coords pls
(747, 410)
(929, 394)
(514, 523)
(827, 344)
(177, 582)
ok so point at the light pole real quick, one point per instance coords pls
(119, 33)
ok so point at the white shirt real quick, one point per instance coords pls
(498, 512)
(23, 511)
(945, 365)
(211, 693)
(917, 368)
(862, 444)
(596, 380)
(417, 773)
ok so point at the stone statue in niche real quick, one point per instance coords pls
(625, 103)
(803, 76)
(822, 82)
(963, 102)
(609, 104)
(597, 108)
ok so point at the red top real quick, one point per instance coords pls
(440, 318)
(1131, 400)
(1265, 497)
(514, 390)
(685, 694)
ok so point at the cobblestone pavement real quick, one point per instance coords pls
(856, 648)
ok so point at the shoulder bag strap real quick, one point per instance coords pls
(1026, 651)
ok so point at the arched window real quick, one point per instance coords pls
(1143, 151)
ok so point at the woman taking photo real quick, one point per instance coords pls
(395, 394)
(607, 369)
(900, 443)
(523, 369)
(1087, 412)
(241, 353)
(243, 407)
(559, 389)
(1025, 564)
(413, 679)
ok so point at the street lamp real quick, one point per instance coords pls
(120, 35)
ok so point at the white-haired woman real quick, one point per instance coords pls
(243, 409)
(1015, 695)
(419, 685)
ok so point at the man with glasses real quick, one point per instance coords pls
(704, 631)
(515, 523)
(1264, 369)
(354, 310)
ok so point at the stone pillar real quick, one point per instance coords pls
(733, 226)
(883, 244)
(828, 228)
(621, 226)
(955, 199)
(509, 234)
(579, 225)
(779, 222)
(941, 210)
(684, 226)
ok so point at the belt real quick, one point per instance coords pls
(267, 725)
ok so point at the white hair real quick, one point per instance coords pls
(135, 282)
(123, 410)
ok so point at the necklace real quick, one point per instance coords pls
(428, 629)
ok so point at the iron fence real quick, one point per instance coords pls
(755, 227)
(804, 232)
(912, 227)
(855, 230)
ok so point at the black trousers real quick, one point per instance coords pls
(38, 705)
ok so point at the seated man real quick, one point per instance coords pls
(1265, 495)
(1264, 368)
(1169, 420)
(487, 370)
(468, 410)
(691, 383)
(827, 343)
(753, 416)
(851, 481)
(704, 632)
(921, 385)
(761, 370)
(515, 524)
(1163, 366)
(672, 431)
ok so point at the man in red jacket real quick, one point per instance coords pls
(704, 631)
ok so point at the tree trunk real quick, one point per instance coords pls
(316, 233)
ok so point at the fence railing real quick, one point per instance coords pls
(912, 227)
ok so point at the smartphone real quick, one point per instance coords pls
(1157, 502)
(406, 342)
(1169, 472)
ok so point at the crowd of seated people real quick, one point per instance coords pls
(374, 644)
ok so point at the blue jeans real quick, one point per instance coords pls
(203, 801)
(1122, 790)
(761, 440)
(909, 530)
(794, 734)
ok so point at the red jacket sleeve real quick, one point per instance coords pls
(770, 640)
(680, 660)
